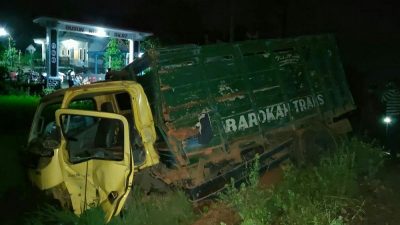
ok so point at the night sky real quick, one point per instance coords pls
(368, 33)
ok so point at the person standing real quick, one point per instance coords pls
(71, 77)
(391, 99)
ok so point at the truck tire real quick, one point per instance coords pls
(312, 143)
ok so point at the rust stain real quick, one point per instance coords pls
(186, 105)
(182, 133)
(231, 97)
(165, 112)
(177, 153)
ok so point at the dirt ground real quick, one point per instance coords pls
(382, 197)
(218, 214)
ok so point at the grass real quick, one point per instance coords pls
(172, 208)
(326, 194)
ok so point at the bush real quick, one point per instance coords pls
(326, 194)
(369, 157)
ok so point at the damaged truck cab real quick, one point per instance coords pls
(89, 142)
(191, 117)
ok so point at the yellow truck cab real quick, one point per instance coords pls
(88, 154)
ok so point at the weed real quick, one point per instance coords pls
(171, 208)
(326, 194)
(249, 199)
(369, 157)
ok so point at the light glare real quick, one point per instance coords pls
(70, 44)
(387, 120)
(3, 32)
(38, 41)
(100, 32)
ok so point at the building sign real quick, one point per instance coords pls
(120, 35)
(53, 53)
(93, 31)
(74, 28)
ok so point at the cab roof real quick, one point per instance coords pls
(103, 85)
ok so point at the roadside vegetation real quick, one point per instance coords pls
(173, 208)
(325, 194)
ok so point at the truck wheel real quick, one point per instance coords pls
(313, 143)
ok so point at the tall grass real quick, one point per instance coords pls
(326, 194)
(172, 208)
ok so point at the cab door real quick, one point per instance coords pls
(96, 159)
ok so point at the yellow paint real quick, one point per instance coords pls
(48, 174)
(90, 183)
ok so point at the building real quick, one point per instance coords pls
(80, 47)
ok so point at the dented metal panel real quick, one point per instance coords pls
(212, 95)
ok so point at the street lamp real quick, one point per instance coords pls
(387, 120)
(3, 32)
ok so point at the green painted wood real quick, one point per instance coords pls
(248, 88)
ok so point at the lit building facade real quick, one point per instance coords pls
(78, 46)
